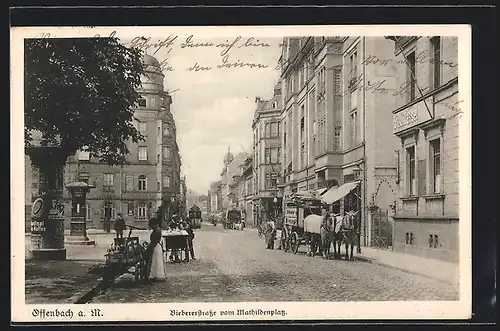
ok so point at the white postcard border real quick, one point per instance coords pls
(294, 310)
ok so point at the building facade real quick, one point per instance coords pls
(368, 145)
(426, 121)
(336, 125)
(267, 156)
(243, 190)
(215, 197)
(229, 178)
(149, 178)
(311, 117)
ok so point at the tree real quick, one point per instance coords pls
(81, 93)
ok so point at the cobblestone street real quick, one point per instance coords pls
(234, 266)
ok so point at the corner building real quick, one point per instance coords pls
(150, 176)
(426, 121)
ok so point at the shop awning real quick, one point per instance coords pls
(335, 194)
(304, 195)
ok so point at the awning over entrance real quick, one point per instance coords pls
(334, 194)
(303, 195)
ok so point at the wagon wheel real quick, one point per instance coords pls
(294, 242)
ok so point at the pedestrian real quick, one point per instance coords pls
(325, 231)
(189, 229)
(280, 233)
(155, 266)
(120, 225)
(270, 234)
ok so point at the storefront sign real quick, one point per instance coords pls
(412, 116)
(291, 214)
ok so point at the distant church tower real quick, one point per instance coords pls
(229, 157)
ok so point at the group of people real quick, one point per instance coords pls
(154, 261)
(271, 228)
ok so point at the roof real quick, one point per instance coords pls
(150, 61)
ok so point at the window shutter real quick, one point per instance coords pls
(421, 177)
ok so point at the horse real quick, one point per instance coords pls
(313, 243)
(327, 235)
(347, 234)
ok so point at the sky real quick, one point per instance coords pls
(213, 109)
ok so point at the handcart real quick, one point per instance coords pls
(176, 242)
(126, 255)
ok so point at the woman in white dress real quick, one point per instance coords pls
(155, 269)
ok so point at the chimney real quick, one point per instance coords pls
(257, 99)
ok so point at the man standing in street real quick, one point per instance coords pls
(189, 229)
(270, 234)
(119, 225)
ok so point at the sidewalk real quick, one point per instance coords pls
(432, 268)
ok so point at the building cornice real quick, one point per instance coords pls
(441, 88)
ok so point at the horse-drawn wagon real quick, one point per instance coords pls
(194, 215)
(297, 208)
(233, 219)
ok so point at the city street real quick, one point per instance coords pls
(235, 266)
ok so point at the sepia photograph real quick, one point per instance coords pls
(240, 173)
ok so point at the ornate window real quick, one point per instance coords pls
(129, 182)
(142, 183)
(108, 179)
(142, 211)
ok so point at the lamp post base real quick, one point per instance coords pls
(79, 241)
(48, 254)
(78, 234)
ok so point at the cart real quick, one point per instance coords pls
(298, 208)
(176, 242)
(126, 255)
(232, 217)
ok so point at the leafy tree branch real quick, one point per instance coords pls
(80, 93)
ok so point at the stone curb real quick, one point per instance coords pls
(90, 292)
(86, 294)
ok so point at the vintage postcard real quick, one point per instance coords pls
(241, 173)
